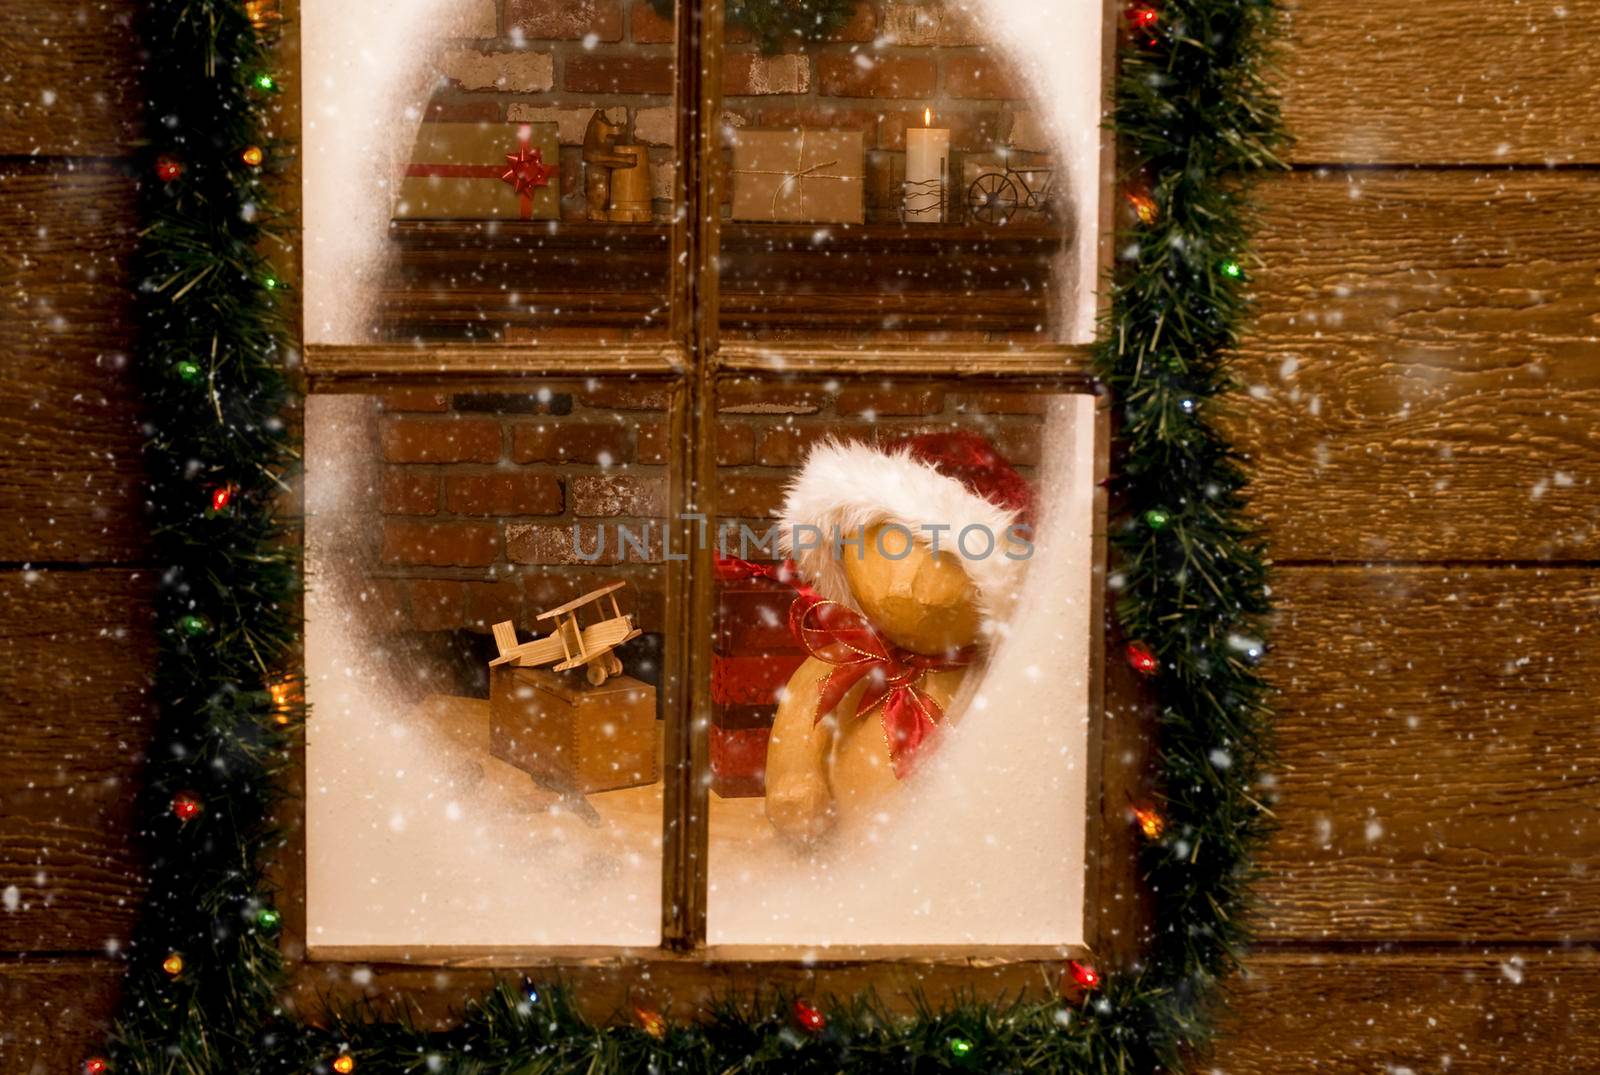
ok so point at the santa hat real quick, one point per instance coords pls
(947, 480)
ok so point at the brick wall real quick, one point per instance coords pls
(477, 493)
(558, 60)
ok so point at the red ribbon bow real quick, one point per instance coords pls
(845, 639)
(526, 171)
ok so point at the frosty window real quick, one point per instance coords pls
(705, 524)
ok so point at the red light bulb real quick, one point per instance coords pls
(221, 496)
(810, 1019)
(168, 168)
(185, 806)
(1085, 975)
(1143, 659)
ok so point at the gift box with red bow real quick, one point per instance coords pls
(482, 171)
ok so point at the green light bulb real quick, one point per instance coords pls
(1156, 519)
(960, 1047)
(193, 626)
(1233, 269)
(267, 918)
(265, 81)
(189, 371)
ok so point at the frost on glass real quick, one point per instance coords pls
(436, 814)
(981, 840)
(930, 171)
(486, 172)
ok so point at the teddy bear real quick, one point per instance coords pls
(911, 556)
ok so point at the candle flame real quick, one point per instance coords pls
(927, 117)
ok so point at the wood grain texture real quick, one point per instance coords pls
(77, 653)
(71, 85)
(57, 1013)
(1439, 758)
(1451, 82)
(70, 475)
(1460, 1013)
(1423, 375)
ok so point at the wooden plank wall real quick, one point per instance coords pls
(1423, 409)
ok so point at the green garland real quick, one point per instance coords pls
(776, 23)
(204, 965)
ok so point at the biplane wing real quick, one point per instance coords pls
(525, 654)
(587, 599)
(599, 637)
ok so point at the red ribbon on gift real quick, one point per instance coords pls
(525, 170)
(844, 638)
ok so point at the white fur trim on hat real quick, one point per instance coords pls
(845, 486)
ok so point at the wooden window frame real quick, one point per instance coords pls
(682, 969)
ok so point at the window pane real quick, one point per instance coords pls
(487, 171)
(888, 812)
(926, 170)
(452, 802)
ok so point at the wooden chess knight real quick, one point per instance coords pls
(601, 158)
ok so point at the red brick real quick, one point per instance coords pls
(437, 604)
(863, 25)
(786, 445)
(1000, 402)
(410, 492)
(626, 397)
(540, 543)
(618, 74)
(503, 494)
(891, 401)
(750, 73)
(762, 397)
(736, 444)
(606, 495)
(441, 440)
(750, 496)
(570, 442)
(384, 606)
(824, 117)
(647, 27)
(1018, 441)
(565, 20)
(969, 131)
(945, 25)
(440, 544)
(478, 110)
(488, 603)
(982, 78)
(864, 75)
(654, 443)
(414, 399)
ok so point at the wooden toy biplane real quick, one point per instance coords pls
(570, 643)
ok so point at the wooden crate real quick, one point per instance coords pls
(577, 737)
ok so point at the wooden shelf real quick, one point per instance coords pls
(485, 280)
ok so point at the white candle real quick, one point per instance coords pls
(927, 171)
